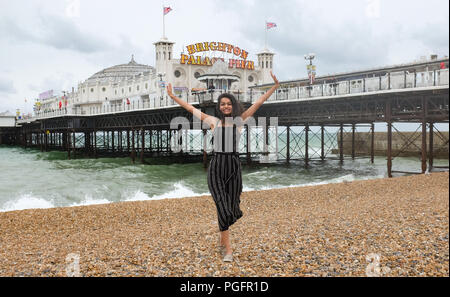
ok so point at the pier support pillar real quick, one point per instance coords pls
(159, 141)
(306, 146)
(151, 141)
(95, 143)
(288, 146)
(74, 143)
(424, 147)
(68, 144)
(424, 134)
(45, 140)
(341, 145)
(322, 143)
(113, 145)
(64, 141)
(431, 150)
(389, 137)
(41, 136)
(87, 143)
(128, 141)
(372, 143)
(133, 151)
(119, 140)
(107, 141)
(168, 135)
(142, 144)
(353, 141)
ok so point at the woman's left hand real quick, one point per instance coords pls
(275, 80)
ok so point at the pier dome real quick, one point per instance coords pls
(121, 72)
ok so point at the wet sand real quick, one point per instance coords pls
(388, 227)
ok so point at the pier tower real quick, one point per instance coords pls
(265, 63)
(164, 53)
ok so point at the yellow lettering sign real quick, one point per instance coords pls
(241, 63)
(191, 49)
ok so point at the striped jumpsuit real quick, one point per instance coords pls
(224, 176)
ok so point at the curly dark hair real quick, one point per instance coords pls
(238, 108)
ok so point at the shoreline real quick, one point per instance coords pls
(202, 195)
(319, 230)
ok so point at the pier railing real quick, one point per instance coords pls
(391, 81)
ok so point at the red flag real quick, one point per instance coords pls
(167, 10)
(271, 25)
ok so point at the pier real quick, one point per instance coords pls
(414, 93)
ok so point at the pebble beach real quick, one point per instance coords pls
(380, 227)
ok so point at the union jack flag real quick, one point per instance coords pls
(167, 10)
(270, 25)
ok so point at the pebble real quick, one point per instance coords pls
(324, 230)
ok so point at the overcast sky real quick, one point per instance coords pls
(54, 44)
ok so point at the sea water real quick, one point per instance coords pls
(30, 178)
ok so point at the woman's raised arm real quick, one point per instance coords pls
(210, 120)
(252, 109)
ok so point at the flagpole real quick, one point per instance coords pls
(265, 36)
(164, 24)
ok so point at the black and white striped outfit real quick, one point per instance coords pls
(224, 176)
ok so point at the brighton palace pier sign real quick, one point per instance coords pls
(239, 55)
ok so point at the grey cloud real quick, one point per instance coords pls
(432, 34)
(7, 86)
(63, 34)
(341, 34)
(339, 45)
(54, 31)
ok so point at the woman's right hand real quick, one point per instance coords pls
(169, 90)
(275, 80)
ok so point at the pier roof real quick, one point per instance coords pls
(120, 72)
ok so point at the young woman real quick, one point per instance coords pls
(224, 170)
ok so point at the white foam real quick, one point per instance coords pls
(88, 200)
(180, 191)
(27, 201)
(337, 180)
(340, 179)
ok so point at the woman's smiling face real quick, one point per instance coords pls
(226, 107)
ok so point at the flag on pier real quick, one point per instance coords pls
(167, 10)
(270, 25)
